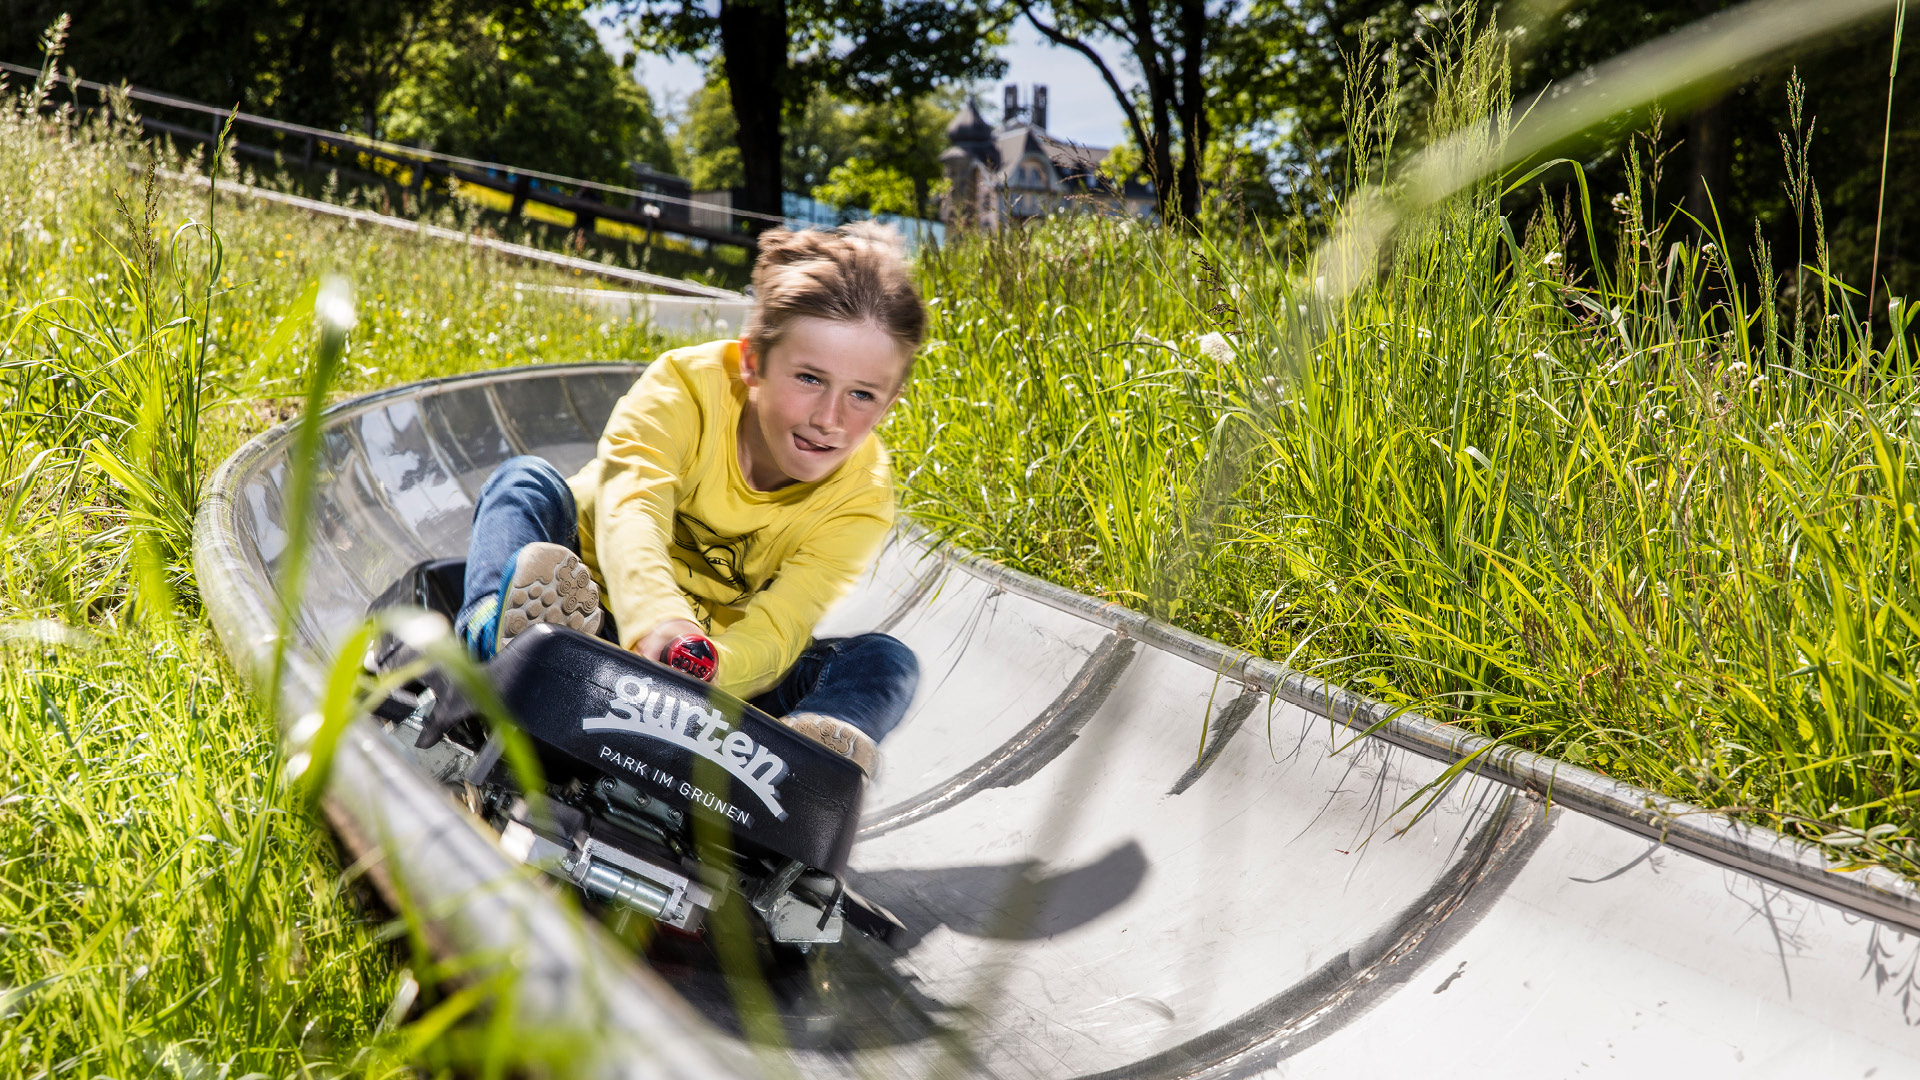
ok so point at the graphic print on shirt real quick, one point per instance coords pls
(725, 557)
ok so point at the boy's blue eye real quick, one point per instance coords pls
(806, 378)
(862, 395)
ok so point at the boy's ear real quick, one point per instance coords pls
(749, 363)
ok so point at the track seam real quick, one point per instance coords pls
(1017, 759)
(1346, 987)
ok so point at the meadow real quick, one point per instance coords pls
(1640, 517)
(1632, 510)
(169, 903)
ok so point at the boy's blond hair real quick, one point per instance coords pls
(855, 274)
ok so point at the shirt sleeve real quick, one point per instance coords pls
(765, 641)
(649, 447)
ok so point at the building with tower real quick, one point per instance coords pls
(1009, 174)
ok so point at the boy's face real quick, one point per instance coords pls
(814, 398)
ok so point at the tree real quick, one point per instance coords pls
(1168, 40)
(709, 140)
(1723, 150)
(775, 54)
(844, 153)
(322, 62)
(531, 86)
(1282, 71)
(817, 136)
(893, 161)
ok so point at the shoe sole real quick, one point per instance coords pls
(838, 736)
(551, 585)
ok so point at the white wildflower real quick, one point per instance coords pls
(1758, 384)
(1215, 347)
(1551, 260)
(304, 729)
(334, 305)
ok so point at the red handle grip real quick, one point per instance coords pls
(692, 654)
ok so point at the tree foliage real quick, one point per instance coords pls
(523, 81)
(1168, 42)
(778, 56)
(844, 153)
(531, 86)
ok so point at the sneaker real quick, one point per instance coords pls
(838, 736)
(543, 583)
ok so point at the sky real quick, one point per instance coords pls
(1080, 108)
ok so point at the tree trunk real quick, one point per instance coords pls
(753, 48)
(1160, 155)
(1192, 107)
(1154, 60)
(1709, 138)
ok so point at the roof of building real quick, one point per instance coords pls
(968, 126)
(1076, 167)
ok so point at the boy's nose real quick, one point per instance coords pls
(827, 416)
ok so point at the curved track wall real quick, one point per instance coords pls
(1120, 850)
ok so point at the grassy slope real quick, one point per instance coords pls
(166, 903)
(1473, 487)
(1631, 525)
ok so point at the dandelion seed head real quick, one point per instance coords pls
(1214, 346)
(334, 306)
(304, 729)
(421, 629)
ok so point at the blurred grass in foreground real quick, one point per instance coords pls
(168, 904)
(1641, 516)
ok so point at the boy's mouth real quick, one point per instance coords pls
(808, 446)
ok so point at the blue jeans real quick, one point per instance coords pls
(867, 681)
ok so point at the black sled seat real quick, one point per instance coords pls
(595, 710)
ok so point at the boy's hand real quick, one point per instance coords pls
(661, 636)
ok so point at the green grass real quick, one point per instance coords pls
(169, 903)
(1634, 518)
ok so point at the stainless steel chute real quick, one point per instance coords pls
(1119, 850)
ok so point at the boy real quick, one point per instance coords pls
(737, 492)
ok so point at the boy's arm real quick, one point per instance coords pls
(759, 648)
(647, 450)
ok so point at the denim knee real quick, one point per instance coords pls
(888, 673)
(882, 653)
(538, 490)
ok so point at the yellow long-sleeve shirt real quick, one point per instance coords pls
(671, 529)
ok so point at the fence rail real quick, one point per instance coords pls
(412, 169)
